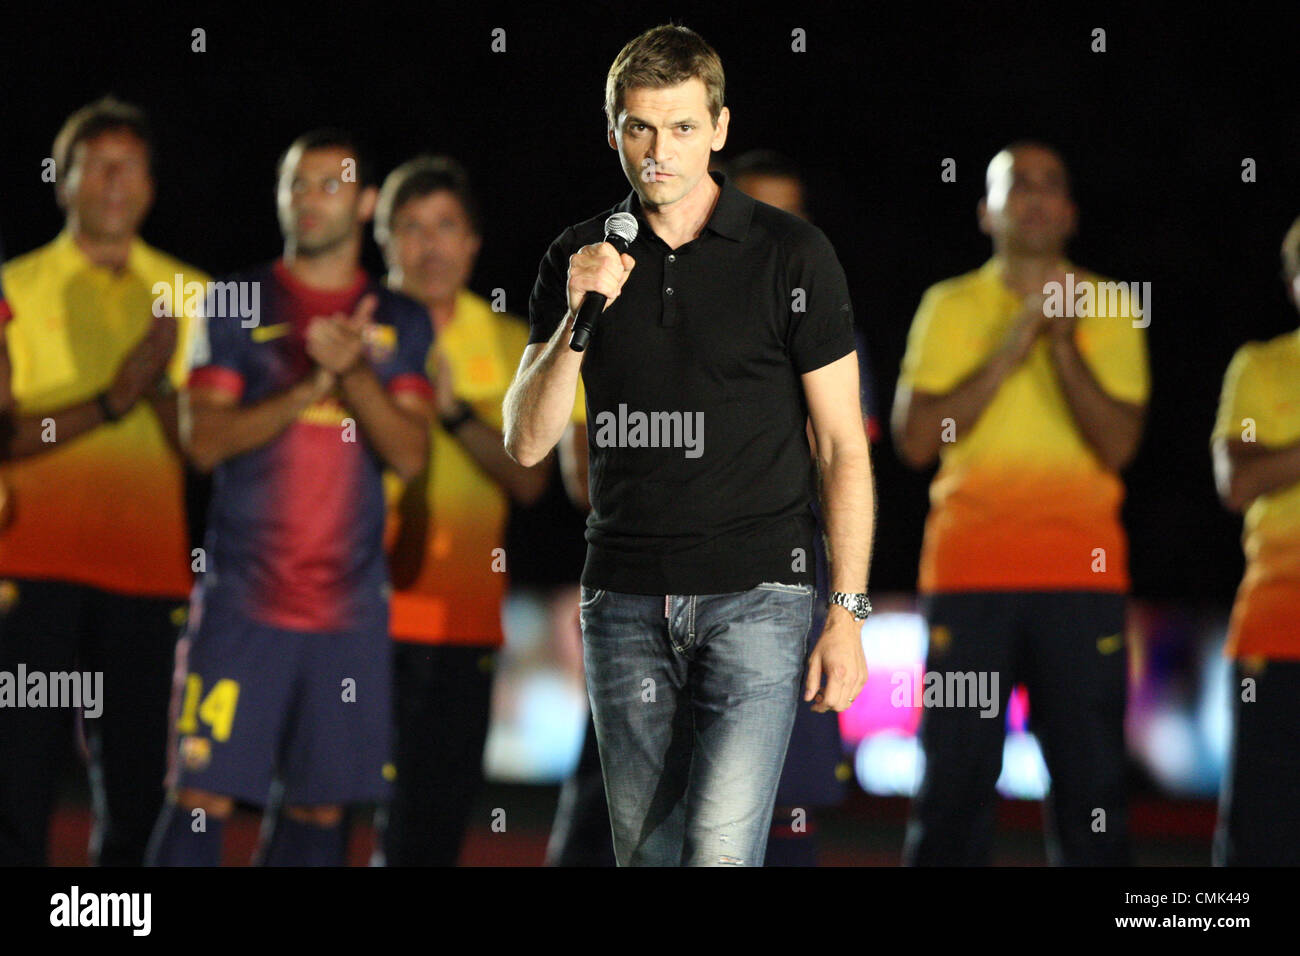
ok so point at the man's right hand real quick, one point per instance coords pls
(143, 365)
(597, 268)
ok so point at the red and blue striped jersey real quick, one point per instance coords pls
(295, 527)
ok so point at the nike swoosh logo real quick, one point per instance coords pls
(264, 333)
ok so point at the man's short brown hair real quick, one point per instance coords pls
(105, 115)
(664, 56)
(420, 177)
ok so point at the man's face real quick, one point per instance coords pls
(109, 188)
(783, 192)
(432, 247)
(664, 138)
(319, 210)
(1028, 208)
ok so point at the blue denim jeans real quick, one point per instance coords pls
(693, 697)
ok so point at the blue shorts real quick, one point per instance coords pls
(253, 703)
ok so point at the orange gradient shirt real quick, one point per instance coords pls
(446, 534)
(106, 508)
(1260, 401)
(1020, 502)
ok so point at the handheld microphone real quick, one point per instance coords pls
(620, 232)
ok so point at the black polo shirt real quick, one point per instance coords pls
(700, 474)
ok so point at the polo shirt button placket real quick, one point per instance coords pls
(669, 312)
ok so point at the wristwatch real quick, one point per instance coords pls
(859, 605)
(105, 409)
(463, 412)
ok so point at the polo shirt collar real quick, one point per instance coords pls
(138, 261)
(991, 272)
(731, 213)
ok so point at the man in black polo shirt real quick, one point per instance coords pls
(728, 325)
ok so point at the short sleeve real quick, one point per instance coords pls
(1242, 397)
(216, 350)
(405, 369)
(821, 323)
(549, 300)
(931, 363)
(1116, 352)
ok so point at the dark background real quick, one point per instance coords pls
(1154, 130)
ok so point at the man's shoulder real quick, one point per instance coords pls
(163, 265)
(785, 227)
(1278, 354)
(22, 271)
(408, 320)
(955, 288)
(397, 307)
(588, 231)
(227, 291)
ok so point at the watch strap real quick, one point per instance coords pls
(105, 409)
(463, 413)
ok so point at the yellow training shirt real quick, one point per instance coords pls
(1260, 401)
(447, 534)
(1020, 502)
(106, 508)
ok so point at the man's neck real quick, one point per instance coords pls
(680, 222)
(108, 252)
(442, 313)
(329, 271)
(1025, 274)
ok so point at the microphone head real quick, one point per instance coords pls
(622, 225)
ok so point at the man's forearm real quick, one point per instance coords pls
(848, 499)
(539, 404)
(215, 433)
(927, 415)
(30, 435)
(1113, 428)
(1255, 470)
(165, 406)
(401, 440)
(484, 444)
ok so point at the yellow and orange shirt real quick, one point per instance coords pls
(106, 508)
(447, 528)
(1261, 401)
(1021, 502)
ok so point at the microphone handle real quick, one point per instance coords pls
(593, 303)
